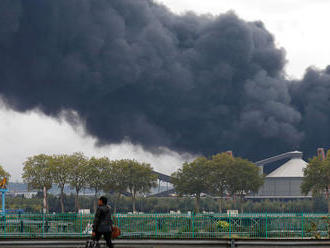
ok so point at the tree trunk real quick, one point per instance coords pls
(133, 202)
(62, 199)
(45, 200)
(77, 201)
(241, 204)
(116, 203)
(197, 203)
(220, 205)
(234, 201)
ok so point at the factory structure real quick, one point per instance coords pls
(285, 181)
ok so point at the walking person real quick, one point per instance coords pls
(102, 225)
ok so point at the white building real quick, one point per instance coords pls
(285, 181)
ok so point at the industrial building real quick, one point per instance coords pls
(285, 181)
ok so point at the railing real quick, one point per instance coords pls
(172, 226)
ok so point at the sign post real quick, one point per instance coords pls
(3, 190)
(3, 196)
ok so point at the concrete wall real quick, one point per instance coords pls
(281, 187)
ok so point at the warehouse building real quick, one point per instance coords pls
(285, 181)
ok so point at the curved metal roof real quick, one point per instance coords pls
(294, 154)
(293, 168)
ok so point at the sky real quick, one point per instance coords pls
(24, 135)
(294, 23)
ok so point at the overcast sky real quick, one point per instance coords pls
(23, 135)
(300, 26)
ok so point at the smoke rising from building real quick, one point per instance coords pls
(132, 70)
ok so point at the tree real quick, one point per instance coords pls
(37, 173)
(60, 173)
(97, 175)
(139, 178)
(218, 176)
(192, 179)
(78, 174)
(243, 177)
(317, 178)
(4, 178)
(4, 174)
(117, 179)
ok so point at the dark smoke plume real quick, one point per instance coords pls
(133, 70)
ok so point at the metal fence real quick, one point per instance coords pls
(171, 226)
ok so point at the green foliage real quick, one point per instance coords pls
(314, 231)
(117, 177)
(78, 164)
(97, 175)
(138, 176)
(79, 173)
(166, 204)
(188, 227)
(220, 175)
(4, 174)
(314, 178)
(60, 169)
(97, 172)
(243, 177)
(223, 225)
(60, 173)
(37, 172)
(219, 167)
(192, 179)
(327, 220)
(33, 205)
(317, 178)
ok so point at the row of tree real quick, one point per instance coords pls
(42, 171)
(221, 175)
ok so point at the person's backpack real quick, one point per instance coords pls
(92, 244)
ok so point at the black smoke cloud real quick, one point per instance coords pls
(133, 70)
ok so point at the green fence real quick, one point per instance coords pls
(171, 226)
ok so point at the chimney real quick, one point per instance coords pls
(320, 153)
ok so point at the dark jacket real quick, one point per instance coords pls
(102, 220)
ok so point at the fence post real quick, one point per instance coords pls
(156, 224)
(43, 223)
(229, 226)
(302, 225)
(5, 223)
(266, 225)
(193, 223)
(81, 224)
